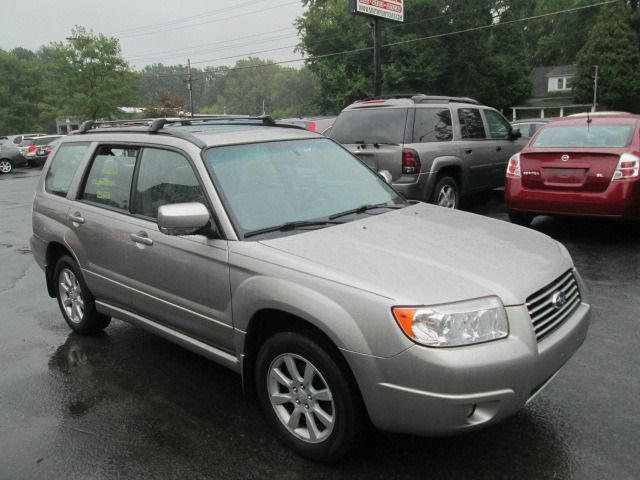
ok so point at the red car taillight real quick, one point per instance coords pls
(32, 148)
(513, 168)
(628, 167)
(410, 162)
(312, 126)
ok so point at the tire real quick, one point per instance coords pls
(6, 166)
(446, 193)
(522, 219)
(75, 300)
(286, 396)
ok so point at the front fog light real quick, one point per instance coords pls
(454, 324)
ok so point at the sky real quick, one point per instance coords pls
(208, 32)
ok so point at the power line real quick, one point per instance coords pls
(401, 42)
(140, 34)
(185, 50)
(176, 21)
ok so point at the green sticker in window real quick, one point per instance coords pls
(103, 182)
(103, 195)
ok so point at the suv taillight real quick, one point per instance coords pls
(312, 126)
(410, 162)
(32, 148)
(513, 168)
(628, 167)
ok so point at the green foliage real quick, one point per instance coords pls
(489, 64)
(613, 46)
(91, 78)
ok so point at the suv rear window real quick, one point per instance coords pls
(432, 125)
(63, 168)
(605, 136)
(471, 125)
(374, 125)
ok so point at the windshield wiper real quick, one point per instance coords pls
(285, 227)
(364, 208)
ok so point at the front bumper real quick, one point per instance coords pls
(620, 200)
(443, 391)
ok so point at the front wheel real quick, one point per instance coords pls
(307, 398)
(446, 193)
(75, 300)
(6, 166)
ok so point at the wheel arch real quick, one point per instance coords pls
(55, 251)
(446, 166)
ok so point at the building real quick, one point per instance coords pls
(550, 94)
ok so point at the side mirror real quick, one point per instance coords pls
(182, 218)
(515, 133)
(386, 176)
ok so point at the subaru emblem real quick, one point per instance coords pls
(564, 158)
(558, 299)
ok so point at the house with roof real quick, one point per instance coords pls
(551, 94)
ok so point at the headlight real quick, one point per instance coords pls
(454, 324)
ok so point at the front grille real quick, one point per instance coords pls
(545, 316)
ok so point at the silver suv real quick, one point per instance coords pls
(435, 148)
(276, 253)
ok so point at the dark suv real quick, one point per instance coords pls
(435, 148)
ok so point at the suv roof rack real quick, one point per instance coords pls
(157, 125)
(421, 98)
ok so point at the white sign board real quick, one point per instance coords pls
(389, 9)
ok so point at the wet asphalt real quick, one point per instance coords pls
(129, 405)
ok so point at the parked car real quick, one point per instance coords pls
(528, 127)
(18, 139)
(276, 253)
(313, 124)
(33, 145)
(435, 148)
(10, 157)
(578, 165)
(43, 151)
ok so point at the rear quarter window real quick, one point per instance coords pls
(63, 167)
(432, 125)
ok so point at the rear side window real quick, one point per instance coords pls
(375, 125)
(471, 126)
(110, 177)
(63, 168)
(499, 128)
(165, 177)
(432, 125)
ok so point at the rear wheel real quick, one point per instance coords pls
(307, 398)
(6, 165)
(519, 218)
(446, 193)
(75, 300)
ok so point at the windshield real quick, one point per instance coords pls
(269, 184)
(375, 125)
(604, 136)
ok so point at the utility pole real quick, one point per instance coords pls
(377, 57)
(190, 85)
(595, 90)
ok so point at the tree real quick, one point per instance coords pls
(613, 46)
(88, 77)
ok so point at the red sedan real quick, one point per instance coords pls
(586, 164)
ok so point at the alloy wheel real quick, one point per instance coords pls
(447, 197)
(71, 295)
(301, 398)
(5, 166)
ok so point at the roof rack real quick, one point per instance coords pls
(422, 98)
(157, 125)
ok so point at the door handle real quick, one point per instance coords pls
(468, 150)
(498, 149)
(141, 237)
(76, 217)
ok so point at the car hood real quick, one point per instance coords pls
(424, 254)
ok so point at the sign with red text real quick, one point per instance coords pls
(389, 9)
